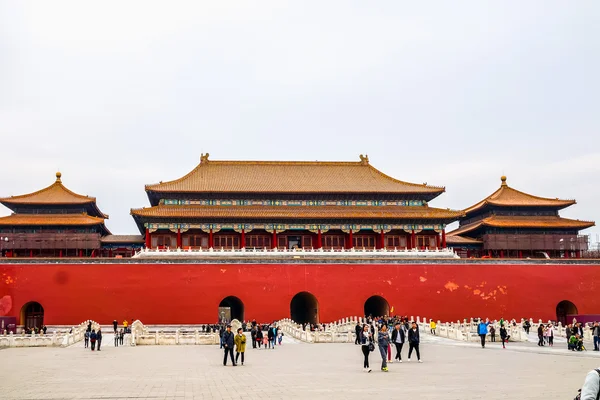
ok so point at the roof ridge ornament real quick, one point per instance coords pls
(364, 160)
(58, 176)
(503, 179)
(204, 158)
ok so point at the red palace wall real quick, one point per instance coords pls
(191, 293)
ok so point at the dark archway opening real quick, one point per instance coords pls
(32, 315)
(564, 309)
(231, 308)
(304, 308)
(376, 306)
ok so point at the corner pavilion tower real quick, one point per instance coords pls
(54, 222)
(510, 223)
(269, 204)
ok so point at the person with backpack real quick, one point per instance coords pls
(591, 386)
(366, 345)
(228, 342)
(86, 339)
(93, 338)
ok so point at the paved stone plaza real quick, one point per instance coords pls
(451, 370)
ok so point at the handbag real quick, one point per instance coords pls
(371, 346)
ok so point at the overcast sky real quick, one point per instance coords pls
(120, 94)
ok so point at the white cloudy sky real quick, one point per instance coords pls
(119, 94)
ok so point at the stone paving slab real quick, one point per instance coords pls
(298, 371)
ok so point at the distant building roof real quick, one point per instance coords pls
(506, 221)
(50, 219)
(289, 177)
(509, 197)
(122, 239)
(461, 240)
(55, 194)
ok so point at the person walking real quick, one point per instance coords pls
(413, 341)
(540, 333)
(86, 339)
(125, 325)
(253, 336)
(271, 337)
(383, 339)
(398, 338)
(568, 334)
(366, 343)
(357, 330)
(93, 338)
(121, 334)
(596, 335)
(228, 342)
(493, 333)
(259, 336)
(240, 345)
(99, 338)
(503, 336)
(115, 325)
(482, 330)
(550, 330)
(432, 327)
(116, 339)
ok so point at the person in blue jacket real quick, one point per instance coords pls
(482, 330)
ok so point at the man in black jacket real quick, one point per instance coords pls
(398, 338)
(357, 330)
(99, 338)
(413, 341)
(228, 345)
(253, 336)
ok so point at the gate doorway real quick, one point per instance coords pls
(231, 308)
(376, 306)
(304, 308)
(564, 309)
(32, 315)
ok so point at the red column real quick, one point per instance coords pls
(210, 239)
(80, 253)
(243, 240)
(520, 253)
(60, 253)
(148, 239)
(350, 243)
(274, 244)
(437, 240)
(443, 238)
(110, 253)
(319, 240)
(413, 239)
(382, 240)
(30, 253)
(468, 253)
(578, 254)
(490, 253)
(501, 253)
(566, 254)
(179, 246)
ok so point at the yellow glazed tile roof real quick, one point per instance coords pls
(505, 221)
(295, 212)
(50, 219)
(56, 193)
(509, 197)
(289, 177)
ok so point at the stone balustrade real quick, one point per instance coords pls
(54, 339)
(141, 336)
(297, 253)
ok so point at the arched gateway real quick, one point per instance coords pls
(231, 308)
(376, 306)
(304, 308)
(32, 315)
(563, 310)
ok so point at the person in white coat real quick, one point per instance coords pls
(591, 386)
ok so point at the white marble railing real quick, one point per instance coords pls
(301, 253)
(56, 338)
(141, 336)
